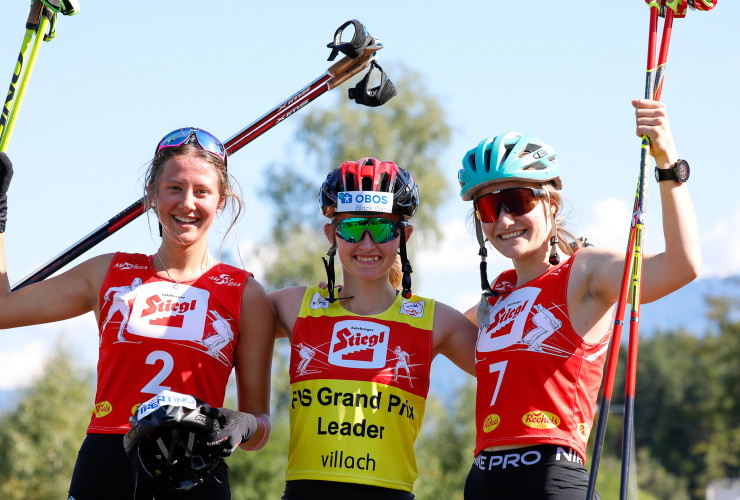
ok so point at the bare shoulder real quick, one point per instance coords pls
(448, 321)
(287, 297)
(254, 291)
(596, 273)
(97, 268)
(454, 337)
(286, 305)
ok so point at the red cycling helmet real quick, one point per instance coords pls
(369, 175)
(369, 187)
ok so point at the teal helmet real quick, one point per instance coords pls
(507, 157)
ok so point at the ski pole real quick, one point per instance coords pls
(633, 257)
(362, 52)
(635, 228)
(671, 9)
(39, 20)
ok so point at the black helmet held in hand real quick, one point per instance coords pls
(168, 438)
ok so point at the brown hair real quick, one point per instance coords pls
(225, 186)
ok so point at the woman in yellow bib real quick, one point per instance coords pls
(361, 354)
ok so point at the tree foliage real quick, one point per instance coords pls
(409, 130)
(40, 437)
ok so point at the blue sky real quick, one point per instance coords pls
(115, 80)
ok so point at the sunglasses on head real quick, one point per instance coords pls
(381, 230)
(204, 140)
(516, 202)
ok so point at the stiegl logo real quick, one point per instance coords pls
(359, 344)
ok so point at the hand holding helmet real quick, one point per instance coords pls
(231, 428)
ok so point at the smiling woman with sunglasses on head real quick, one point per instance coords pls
(178, 321)
(544, 325)
(361, 355)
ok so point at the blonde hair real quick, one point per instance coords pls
(568, 243)
(396, 274)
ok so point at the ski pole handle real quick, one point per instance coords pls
(360, 41)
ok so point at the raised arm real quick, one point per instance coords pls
(70, 294)
(65, 296)
(679, 263)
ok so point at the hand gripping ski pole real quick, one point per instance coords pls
(338, 73)
(633, 258)
(41, 19)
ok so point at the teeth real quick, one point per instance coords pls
(366, 259)
(508, 236)
(187, 220)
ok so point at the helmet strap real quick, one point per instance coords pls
(483, 252)
(329, 266)
(554, 258)
(405, 266)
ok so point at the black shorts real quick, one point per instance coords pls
(545, 472)
(103, 470)
(305, 489)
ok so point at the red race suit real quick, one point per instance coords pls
(157, 334)
(537, 378)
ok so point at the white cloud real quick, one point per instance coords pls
(608, 223)
(23, 351)
(719, 244)
(21, 366)
(719, 241)
(449, 272)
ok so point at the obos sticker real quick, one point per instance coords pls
(364, 201)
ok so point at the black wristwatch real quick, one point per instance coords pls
(679, 172)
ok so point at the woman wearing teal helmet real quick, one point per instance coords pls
(544, 325)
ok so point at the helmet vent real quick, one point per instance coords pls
(538, 165)
(503, 159)
(531, 148)
(471, 161)
(367, 184)
(349, 182)
(384, 183)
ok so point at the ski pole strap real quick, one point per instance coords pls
(702, 4)
(360, 40)
(678, 7)
(65, 7)
(376, 96)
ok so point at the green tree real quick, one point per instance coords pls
(261, 474)
(444, 449)
(40, 437)
(721, 449)
(409, 130)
